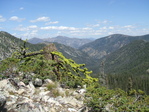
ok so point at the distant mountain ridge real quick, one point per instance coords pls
(35, 40)
(106, 45)
(72, 42)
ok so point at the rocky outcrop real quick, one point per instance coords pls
(18, 97)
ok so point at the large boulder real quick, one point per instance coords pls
(48, 81)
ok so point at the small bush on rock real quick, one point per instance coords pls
(51, 86)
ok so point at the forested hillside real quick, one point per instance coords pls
(77, 55)
(130, 61)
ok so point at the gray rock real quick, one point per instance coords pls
(81, 91)
(47, 81)
(14, 83)
(2, 102)
(21, 84)
(37, 82)
(7, 87)
(31, 88)
(25, 107)
(72, 110)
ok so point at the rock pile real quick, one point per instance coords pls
(18, 97)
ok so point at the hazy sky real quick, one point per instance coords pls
(74, 18)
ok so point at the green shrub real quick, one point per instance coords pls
(67, 93)
(98, 98)
(56, 93)
(51, 86)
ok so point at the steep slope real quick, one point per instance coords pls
(9, 43)
(128, 65)
(77, 55)
(104, 46)
(72, 42)
(131, 59)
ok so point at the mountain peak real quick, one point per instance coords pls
(61, 37)
(3, 32)
(35, 40)
(118, 35)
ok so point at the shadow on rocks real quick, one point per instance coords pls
(2, 103)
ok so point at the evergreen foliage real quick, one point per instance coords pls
(101, 99)
(71, 73)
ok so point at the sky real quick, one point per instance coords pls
(74, 18)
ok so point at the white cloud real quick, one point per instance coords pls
(41, 19)
(111, 27)
(58, 28)
(54, 22)
(30, 34)
(93, 25)
(128, 26)
(96, 25)
(104, 28)
(21, 28)
(100, 28)
(33, 26)
(15, 18)
(86, 28)
(2, 19)
(99, 23)
(33, 33)
(105, 21)
(110, 33)
(27, 34)
(96, 33)
(21, 8)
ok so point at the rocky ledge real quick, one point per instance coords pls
(15, 96)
